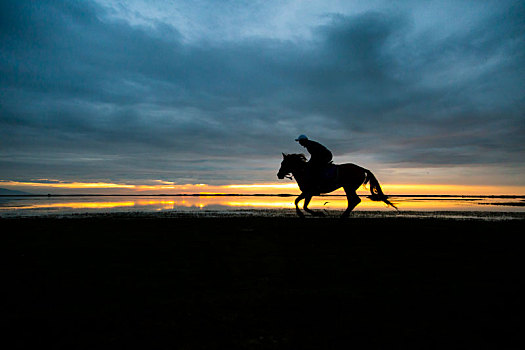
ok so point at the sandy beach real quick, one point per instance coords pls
(259, 282)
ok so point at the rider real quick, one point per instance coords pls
(320, 156)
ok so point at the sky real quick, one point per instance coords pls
(174, 96)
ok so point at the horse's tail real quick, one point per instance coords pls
(375, 189)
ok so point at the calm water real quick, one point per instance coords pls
(34, 205)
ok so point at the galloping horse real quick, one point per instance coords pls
(348, 176)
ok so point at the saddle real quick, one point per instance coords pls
(329, 173)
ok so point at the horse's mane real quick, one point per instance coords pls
(298, 157)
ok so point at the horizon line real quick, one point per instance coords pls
(159, 187)
(251, 195)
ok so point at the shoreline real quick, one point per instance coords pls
(275, 213)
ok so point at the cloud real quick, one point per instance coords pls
(86, 94)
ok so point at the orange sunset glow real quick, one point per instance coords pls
(163, 187)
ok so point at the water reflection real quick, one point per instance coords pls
(65, 205)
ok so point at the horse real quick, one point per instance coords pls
(348, 176)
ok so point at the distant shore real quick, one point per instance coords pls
(256, 282)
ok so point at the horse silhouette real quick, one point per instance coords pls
(348, 176)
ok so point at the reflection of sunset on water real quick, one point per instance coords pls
(80, 205)
(36, 205)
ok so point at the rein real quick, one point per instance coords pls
(298, 165)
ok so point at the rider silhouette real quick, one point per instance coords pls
(320, 156)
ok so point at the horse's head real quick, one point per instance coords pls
(290, 163)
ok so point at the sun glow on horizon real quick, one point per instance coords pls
(163, 187)
(258, 186)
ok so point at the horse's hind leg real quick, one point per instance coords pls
(353, 200)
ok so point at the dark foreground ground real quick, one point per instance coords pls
(257, 283)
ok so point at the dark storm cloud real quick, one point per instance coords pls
(83, 95)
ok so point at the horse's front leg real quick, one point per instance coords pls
(297, 200)
(307, 200)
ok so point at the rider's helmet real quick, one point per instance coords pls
(301, 137)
